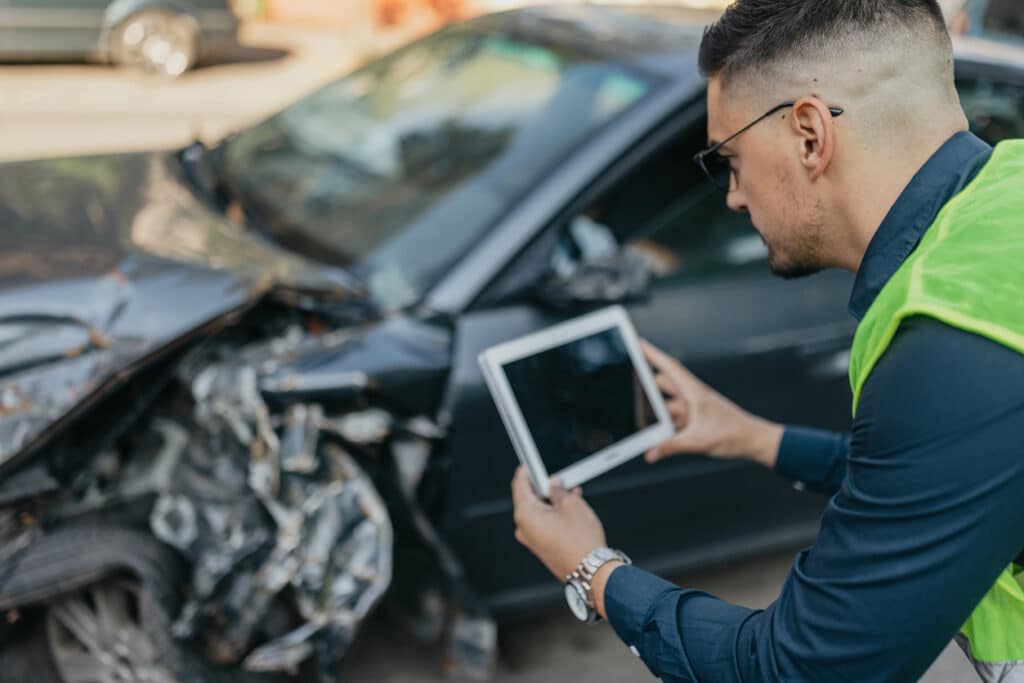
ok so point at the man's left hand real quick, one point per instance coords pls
(561, 533)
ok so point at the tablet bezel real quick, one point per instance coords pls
(493, 360)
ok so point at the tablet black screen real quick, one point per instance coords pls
(580, 397)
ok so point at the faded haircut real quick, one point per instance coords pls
(755, 35)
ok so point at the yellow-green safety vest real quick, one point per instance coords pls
(968, 272)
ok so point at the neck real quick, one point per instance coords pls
(878, 185)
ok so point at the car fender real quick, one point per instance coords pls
(75, 556)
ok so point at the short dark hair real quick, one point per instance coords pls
(755, 32)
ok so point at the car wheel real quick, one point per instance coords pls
(156, 42)
(97, 636)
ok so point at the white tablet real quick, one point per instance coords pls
(577, 399)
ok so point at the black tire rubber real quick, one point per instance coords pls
(69, 560)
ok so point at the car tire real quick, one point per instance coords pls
(98, 634)
(156, 42)
(81, 570)
(102, 633)
(106, 633)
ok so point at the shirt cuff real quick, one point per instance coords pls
(813, 457)
(676, 632)
(635, 602)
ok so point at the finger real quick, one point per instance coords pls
(666, 385)
(668, 365)
(522, 489)
(655, 356)
(558, 493)
(671, 446)
(679, 411)
(682, 443)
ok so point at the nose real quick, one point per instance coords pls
(736, 201)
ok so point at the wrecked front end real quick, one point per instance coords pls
(275, 488)
(206, 477)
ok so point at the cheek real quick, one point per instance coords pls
(770, 202)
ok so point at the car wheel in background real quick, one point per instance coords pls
(156, 42)
(97, 636)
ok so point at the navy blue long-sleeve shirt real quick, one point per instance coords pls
(926, 506)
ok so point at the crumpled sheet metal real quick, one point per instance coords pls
(274, 516)
(62, 342)
(267, 509)
(69, 328)
(30, 401)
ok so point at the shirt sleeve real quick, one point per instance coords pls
(927, 517)
(813, 457)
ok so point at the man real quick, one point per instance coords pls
(862, 161)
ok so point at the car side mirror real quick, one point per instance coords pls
(620, 278)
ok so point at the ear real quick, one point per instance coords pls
(813, 124)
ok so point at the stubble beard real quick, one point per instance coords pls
(800, 253)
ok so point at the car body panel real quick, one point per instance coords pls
(105, 261)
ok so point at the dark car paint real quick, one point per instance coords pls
(104, 261)
(775, 347)
(54, 29)
(401, 359)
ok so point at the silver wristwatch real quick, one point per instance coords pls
(578, 585)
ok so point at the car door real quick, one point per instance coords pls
(778, 348)
(768, 345)
(50, 28)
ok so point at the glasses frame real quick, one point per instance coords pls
(700, 158)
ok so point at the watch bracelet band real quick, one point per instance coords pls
(591, 564)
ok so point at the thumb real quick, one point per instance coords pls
(674, 445)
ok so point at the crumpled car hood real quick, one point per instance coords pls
(104, 262)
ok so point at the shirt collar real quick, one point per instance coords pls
(942, 177)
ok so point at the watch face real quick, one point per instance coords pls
(577, 602)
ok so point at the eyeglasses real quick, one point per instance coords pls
(717, 168)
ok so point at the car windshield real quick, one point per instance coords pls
(395, 170)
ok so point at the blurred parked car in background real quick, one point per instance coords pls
(999, 20)
(239, 396)
(165, 37)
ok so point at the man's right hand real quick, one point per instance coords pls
(707, 422)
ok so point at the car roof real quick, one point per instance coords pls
(661, 39)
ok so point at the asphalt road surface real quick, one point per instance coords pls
(56, 110)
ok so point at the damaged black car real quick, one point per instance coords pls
(239, 399)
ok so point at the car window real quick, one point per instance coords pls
(666, 212)
(699, 235)
(995, 109)
(398, 168)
